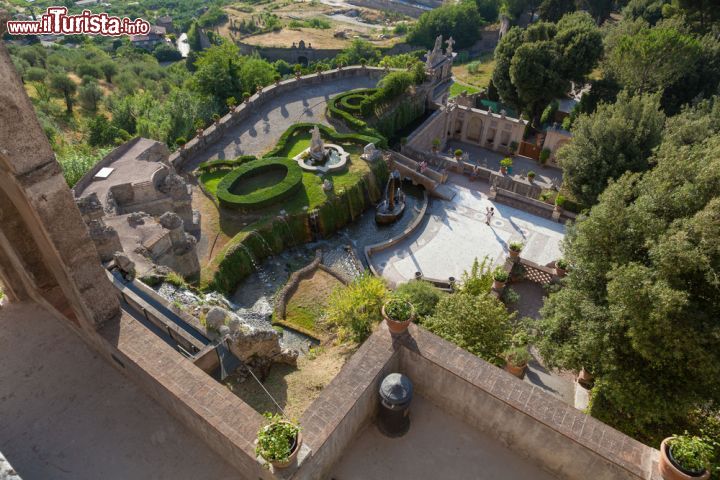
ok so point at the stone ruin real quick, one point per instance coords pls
(257, 349)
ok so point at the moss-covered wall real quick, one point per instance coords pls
(274, 235)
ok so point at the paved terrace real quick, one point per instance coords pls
(437, 446)
(262, 130)
(65, 413)
(455, 233)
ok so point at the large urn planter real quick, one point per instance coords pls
(272, 436)
(671, 469)
(398, 314)
(516, 361)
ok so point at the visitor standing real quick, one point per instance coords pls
(489, 212)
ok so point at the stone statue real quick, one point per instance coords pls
(450, 42)
(370, 153)
(438, 45)
(317, 148)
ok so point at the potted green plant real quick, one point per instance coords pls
(516, 360)
(513, 147)
(559, 202)
(435, 145)
(279, 441)
(216, 118)
(458, 154)
(514, 249)
(561, 267)
(531, 176)
(505, 163)
(500, 278)
(277, 79)
(181, 141)
(398, 313)
(685, 457)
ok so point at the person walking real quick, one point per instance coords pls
(489, 212)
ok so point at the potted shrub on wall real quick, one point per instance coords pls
(505, 164)
(435, 145)
(561, 267)
(516, 360)
(277, 79)
(398, 313)
(513, 147)
(500, 278)
(514, 249)
(458, 154)
(685, 457)
(181, 141)
(278, 442)
(531, 176)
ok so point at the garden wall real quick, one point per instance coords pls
(213, 133)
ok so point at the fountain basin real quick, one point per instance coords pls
(384, 216)
(335, 159)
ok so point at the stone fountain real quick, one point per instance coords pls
(321, 157)
(393, 204)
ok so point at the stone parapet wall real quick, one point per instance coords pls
(118, 152)
(531, 422)
(213, 133)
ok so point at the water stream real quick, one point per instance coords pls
(253, 299)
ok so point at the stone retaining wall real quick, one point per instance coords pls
(213, 133)
(118, 152)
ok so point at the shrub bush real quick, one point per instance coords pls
(326, 132)
(399, 308)
(276, 439)
(265, 196)
(215, 164)
(423, 295)
(355, 309)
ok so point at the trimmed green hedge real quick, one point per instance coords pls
(215, 164)
(336, 109)
(265, 196)
(327, 132)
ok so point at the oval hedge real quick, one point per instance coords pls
(265, 196)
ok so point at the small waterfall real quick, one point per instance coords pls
(262, 239)
(264, 278)
(292, 235)
(314, 222)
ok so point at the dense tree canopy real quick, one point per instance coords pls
(534, 66)
(462, 21)
(641, 304)
(616, 138)
(554, 10)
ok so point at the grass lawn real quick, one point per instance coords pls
(211, 179)
(309, 301)
(457, 88)
(476, 72)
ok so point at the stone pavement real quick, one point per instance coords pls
(454, 234)
(546, 176)
(262, 130)
(65, 413)
(437, 446)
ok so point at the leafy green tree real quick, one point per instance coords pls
(63, 85)
(535, 73)
(88, 70)
(217, 72)
(256, 72)
(357, 51)
(648, 10)
(579, 43)
(478, 323)
(504, 53)
(640, 306)
(615, 139)
(514, 8)
(462, 21)
(488, 9)
(355, 309)
(554, 10)
(90, 95)
(599, 9)
(164, 52)
(212, 17)
(653, 58)
(35, 74)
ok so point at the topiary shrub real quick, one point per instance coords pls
(261, 197)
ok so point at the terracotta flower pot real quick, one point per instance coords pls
(514, 253)
(517, 370)
(503, 170)
(497, 285)
(394, 326)
(669, 471)
(293, 454)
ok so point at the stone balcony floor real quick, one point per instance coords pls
(65, 413)
(438, 446)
